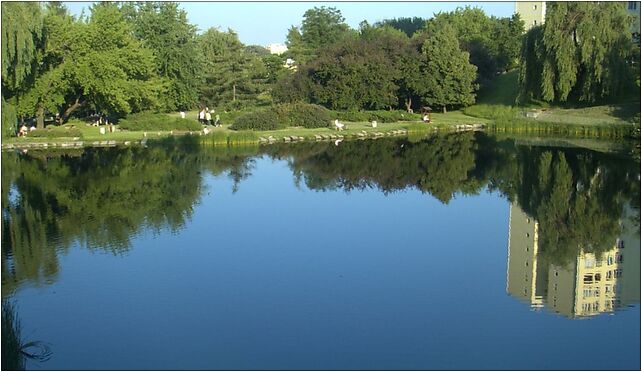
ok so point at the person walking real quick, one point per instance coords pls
(208, 118)
(201, 116)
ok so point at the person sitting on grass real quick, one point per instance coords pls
(23, 131)
(339, 125)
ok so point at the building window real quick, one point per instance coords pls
(535, 6)
(609, 260)
(589, 263)
(609, 275)
(619, 243)
(588, 279)
(633, 5)
(534, 22)
(618, 258)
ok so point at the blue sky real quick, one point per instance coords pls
(264, 23)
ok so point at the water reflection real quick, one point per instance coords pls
(101, 198)
(591, 284)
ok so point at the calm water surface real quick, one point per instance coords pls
(457, 251)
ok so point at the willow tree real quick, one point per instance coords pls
(21, 36)
(580, 53)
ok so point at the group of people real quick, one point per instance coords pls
(205, 117)
(22, 132)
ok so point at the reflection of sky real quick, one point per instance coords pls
(275, 277)
(264, 23)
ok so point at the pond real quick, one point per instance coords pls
(453, 251)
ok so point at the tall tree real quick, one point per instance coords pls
(582, 53)
(97, 65)
(227, 69)
(448, 76)
(164, 28)
(320, 28)
(22, 25)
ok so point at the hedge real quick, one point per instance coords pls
(283, 116)
(154, 121)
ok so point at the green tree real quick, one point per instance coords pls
(97, 65)
(320, 27)
(22, 24)
(228, 69)
(164, 29)
(406, 24)
(580, 55)
(448, 76)
(353, 74)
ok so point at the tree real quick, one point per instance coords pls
(493, 43)
(228, 72)
(22, 24)
(97, 65)
(320, 27)
(165, 30)
(448, 75)
(406, 24)
(580, 54)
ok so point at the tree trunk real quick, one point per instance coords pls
(40, 117)
(70, 109)
(444, 109)
(408, 104)
(234, 93)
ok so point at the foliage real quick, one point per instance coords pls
(152, 121)
(321, 27)
(407, 25)
(493, 43)
(353, 74)
(230, 73)
(302, 115)
(284, 115)
(580, 54)
(381, 116)
(55, 132)
(97, 65)
(449, 77)
(22, 33)
(164, 29)
(265, 119)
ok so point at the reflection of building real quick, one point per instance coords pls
(591, 285)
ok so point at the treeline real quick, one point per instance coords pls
(122, 58)
(400, 63)
(129, 57)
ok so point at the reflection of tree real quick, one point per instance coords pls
(14, 350)
(99, 199)
(439, 165)
(576, 195)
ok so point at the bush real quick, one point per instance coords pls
(381, 116)
(303, 115)
(284, 115)
(266, 119)
(54, 132)
(152, 121)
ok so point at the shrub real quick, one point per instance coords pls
(266, 119)
(284, 115)
(54, 132)
(381, 116)
(307, 115)
(153, 121)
